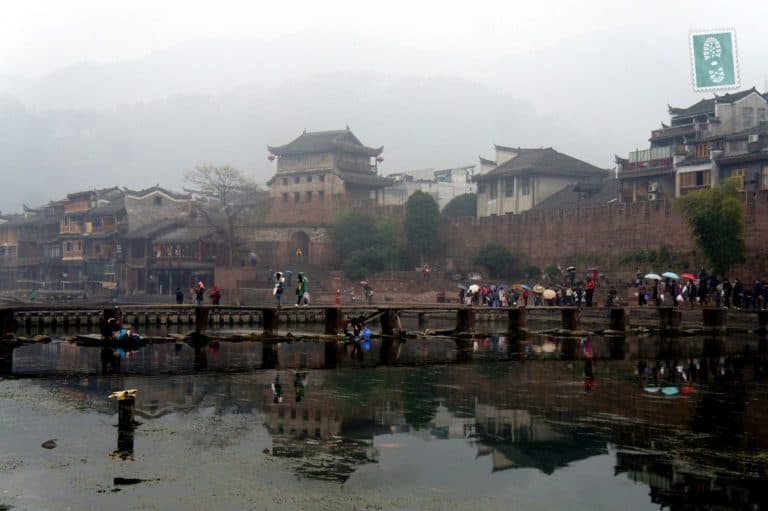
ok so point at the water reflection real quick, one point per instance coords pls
(526, 414)
(516, 409)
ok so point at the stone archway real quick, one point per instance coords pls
(300, 248)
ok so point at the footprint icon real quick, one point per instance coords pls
(712, 51)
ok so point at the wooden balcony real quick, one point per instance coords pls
(71, 229)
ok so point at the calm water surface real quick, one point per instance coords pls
(539, 424)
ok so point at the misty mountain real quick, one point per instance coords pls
(147, 120)
(422, 122)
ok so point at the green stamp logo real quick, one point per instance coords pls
(714, 60)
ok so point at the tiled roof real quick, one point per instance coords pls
(582, 194)
(108, 209)
(707, 106)
(357, 178)
(325, 141)
(151, 230)
(157, 188)
(543, 162)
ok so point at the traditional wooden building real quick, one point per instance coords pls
(520, 178)
(689, 153)
(318, 174)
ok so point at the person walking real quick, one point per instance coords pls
(302, 290)
(279, 288)
(590, 291)
(215, 295)
(199, 293)
(179, 296)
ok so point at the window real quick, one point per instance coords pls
(702, 150)
(285, 181)
(321, 178)
(737, 146)
(157, 200)
(761, 114)
(494, 189)
(509, 186)
(285, 197)
(68, 246)
(97, 249)
(747, 116)
(321, 195)
(309, 196)
(296, 180)
(481, 188)
(525, 185)
(296, 196)
(309, 179)
(695, 179)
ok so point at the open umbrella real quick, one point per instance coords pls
(525, 287)
(538, 289)
(652, 276)
(688, 276)
(549, 294)
(571, 268)
(474, 288)
(670, 275)
(363, 282)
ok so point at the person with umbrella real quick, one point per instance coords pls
(367, 291)
(462, 292)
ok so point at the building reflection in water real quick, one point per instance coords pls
(530, 411)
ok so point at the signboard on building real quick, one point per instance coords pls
(714, 60)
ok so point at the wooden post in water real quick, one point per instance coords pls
(571, 318)
(269, 321)
(669, 318)
(125, 412)
(331, 354)
(7, 322)
(269, 355)
(390, 321)
(423, 321)
(619, 320)
(201, 319)
(465, 319)
(714, 318)
(334, 320)
(517, 319)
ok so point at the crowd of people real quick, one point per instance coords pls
(570, 293)
(702, 289)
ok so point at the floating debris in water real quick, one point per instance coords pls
(49, 444)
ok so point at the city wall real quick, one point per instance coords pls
(600, 235)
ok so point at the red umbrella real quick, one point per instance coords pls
(688, 276)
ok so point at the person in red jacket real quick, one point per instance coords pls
(590, 291)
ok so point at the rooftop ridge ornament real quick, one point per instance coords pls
(714, 59)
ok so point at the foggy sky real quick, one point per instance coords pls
(94, 95)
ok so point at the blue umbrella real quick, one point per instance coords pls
(670, 275)
(525, 287)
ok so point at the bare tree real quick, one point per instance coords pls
(224, 195)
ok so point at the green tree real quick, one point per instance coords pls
(464, 205)
(352, 231)
(366, 245)
(422, 217)
(498, 260)
(716, 219)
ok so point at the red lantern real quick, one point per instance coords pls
(271, 157)
(380, 159)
